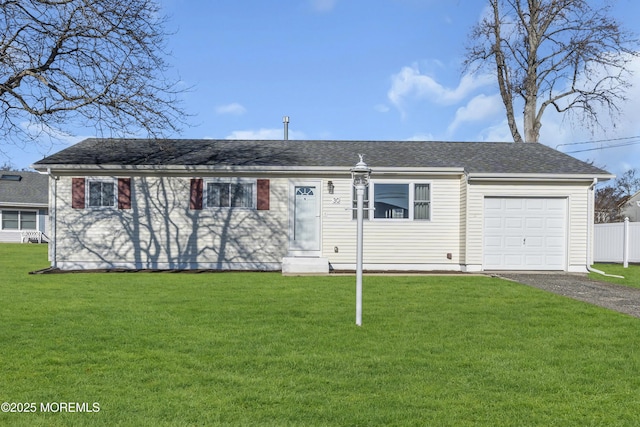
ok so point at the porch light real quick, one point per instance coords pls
(360, 176)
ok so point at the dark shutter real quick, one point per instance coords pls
(124, 193)
(77, 193)
(263, 195)
(196, 194)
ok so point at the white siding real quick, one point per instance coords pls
(160, 231)
(577, 213)
(417, 244)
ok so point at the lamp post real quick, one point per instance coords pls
(360, 175)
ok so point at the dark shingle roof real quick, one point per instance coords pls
(31, 188)
(474, 157)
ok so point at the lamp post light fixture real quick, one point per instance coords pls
(360, 175)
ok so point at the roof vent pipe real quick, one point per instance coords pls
(285, 120)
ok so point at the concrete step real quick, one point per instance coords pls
(293, 266)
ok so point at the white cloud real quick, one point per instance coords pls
(421, 137)
(479, 108)
(498, 132)
(233, 108)
(410, 83)
(323, 5)
(264, 134)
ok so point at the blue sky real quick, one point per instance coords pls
(353, 69)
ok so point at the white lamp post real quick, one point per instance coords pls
(360, 175)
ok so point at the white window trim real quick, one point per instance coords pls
(19, 220)
(89, 180)
(254, 192)
(411, 206)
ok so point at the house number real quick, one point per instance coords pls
(336, 201)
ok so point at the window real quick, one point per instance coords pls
(19, 220)
(391, 201)
(7, 177)
(229, 195)
(101, 193)
(409, 201)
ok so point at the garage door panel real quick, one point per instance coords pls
(513, 204)
(512, 222)
(512, 242)
(534, 223)
(533, 261)
(534, 204)
(494, 242)
(525, 233)
(555, 223)
(556, 261)
(492, 203)
(493, 259)
(513, 260)
(534, 243)
(493, 223)
(554, 242)
(558, 205)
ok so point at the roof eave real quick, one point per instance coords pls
(24, 204)
(304, 170)
(538, 177)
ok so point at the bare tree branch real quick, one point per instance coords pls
(97, 63)
(561, 53)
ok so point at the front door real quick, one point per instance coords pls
(304, 226)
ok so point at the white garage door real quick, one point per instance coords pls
(524, 233)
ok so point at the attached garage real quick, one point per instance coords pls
(525, 233)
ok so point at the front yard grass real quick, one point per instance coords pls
(631, 274)
(167, 349)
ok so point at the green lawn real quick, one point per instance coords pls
(631, 274)
(166, 349)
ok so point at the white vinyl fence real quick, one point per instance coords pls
(610, 242)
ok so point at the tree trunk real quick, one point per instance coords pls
(503, 75)
(531, 124)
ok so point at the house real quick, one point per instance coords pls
(630, 208)
(23, 206)
(271, 205)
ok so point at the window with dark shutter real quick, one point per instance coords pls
(263, 195)
(195, 199)
(124, 193)
(77, 193)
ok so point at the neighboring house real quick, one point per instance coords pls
(270, 205)
(630, 208)
(23, 206)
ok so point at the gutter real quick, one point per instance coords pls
(287, 170)
(24, 205)
(589, 237)
(540, 177)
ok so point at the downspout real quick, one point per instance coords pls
(53, 215)
(591, 215)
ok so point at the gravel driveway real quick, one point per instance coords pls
(578, 286)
